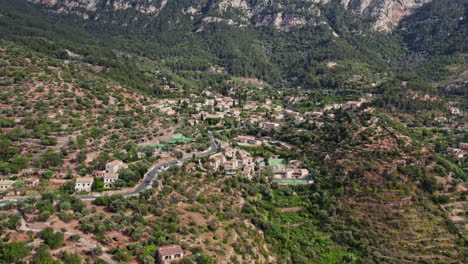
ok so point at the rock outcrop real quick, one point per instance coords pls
(281, 14)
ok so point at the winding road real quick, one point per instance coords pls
(149, 178)
(147, 182)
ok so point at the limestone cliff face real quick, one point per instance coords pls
(83, 6)
(388, 13)
(282, 14)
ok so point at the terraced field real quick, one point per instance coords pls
(406, 230)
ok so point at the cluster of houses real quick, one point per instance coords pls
(350, 105)
(233, 161)
(6, 184)
(83, 184)
(219, 107)
(459, 152)
(291, 170)
(109, 176)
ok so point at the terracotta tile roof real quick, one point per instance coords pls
(170, 250)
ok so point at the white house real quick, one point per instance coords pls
(84, 184)
(6, 184)
(170, 253)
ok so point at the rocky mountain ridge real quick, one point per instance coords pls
(283, 15)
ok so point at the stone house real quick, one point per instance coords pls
(248, 171)
(296, 173)
(246, 161)
(245, 139)
(217, 160)
(243, 153)
(115, 166)
(231, 164)
(352, 105)
(109, 180)
(170, 253)
(32, 182)
(250, 106)
(229, 152)
(463, 146)
(269, 125)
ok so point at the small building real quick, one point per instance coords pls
(352, 105)
(463, 146)
(315, 114)
(260, 161)
(32, 182)
(26, 172)
(297, 173)
(6, 184)
(266, 139)
(217, 160)
(231, 165)
(229, 152)
(109, 180)
(249, 140)
(456, 152)
(245, 139)
(243, 153)
(269, 125)
(84, 184)
(254, 142)
(250, 106)
(454, 110)
(277, 165)
(295, 164)
(170, 253)
(114, 166)
(246, 161)
(234, 113)
(453, 150)
(248, 171)
(167, 111)
(278, 116)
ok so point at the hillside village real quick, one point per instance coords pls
(196, 111)
(179, 133)
(213, 109)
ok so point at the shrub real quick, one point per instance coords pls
(52, 239)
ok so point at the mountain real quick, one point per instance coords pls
(284, 15)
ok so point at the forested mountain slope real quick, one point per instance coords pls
(271, 40)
